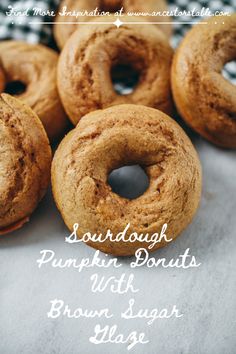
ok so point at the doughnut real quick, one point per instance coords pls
(2, 79)
(85, 64)
(63, 31)
(25, 161)
(32, 69)
(204, 98)
(122, 135)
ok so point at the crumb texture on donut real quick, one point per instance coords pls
(34, 65)
(204, 98)
(62, 32)
(25, 160)
(117, 136)
(84, 69)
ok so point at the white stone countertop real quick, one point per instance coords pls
(205, 295)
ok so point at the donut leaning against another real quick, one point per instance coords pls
(204, 98)
(33, 68)
(122, 135)
(25, 161)
(85, 65)
(62, 32)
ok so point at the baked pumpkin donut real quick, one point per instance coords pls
(108, 139)
(25, 160)
(30, 75)
(2, 79)
(204, 98)
(63, 31)
(86, 62)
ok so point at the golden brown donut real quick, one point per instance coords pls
(204, 98)
(25, 160)
(2, 79)
(84, 68)
(63, 31)
(34, 65)
(108, 139)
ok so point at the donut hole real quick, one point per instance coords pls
(129, 182)
(111, 6)
(15, 88)
(229, 71)
(125, 78)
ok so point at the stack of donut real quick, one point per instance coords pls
(113, 130)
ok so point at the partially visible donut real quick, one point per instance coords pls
(63, 31)
(204, 98)
(108, 139)
(2, 79)
(85, 64)
(33, 66)
(25, 160)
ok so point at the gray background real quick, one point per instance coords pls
(205, 295)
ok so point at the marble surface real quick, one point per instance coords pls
(205, 295)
